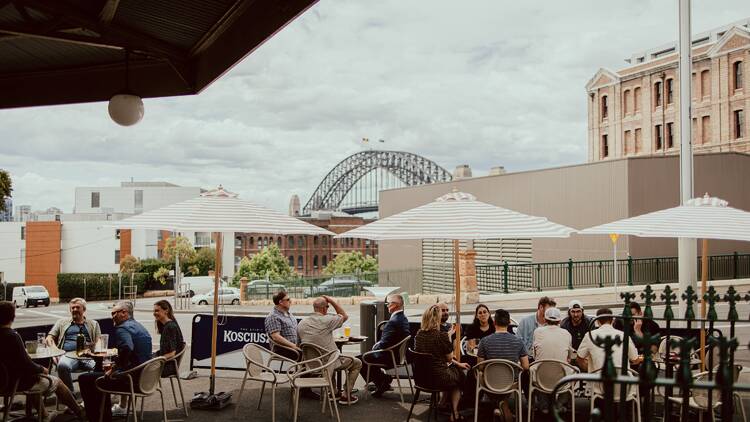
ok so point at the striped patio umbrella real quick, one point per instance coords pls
(218, 211)
(700, 218)
(459, 216)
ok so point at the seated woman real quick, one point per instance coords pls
(171, 341)
(446, 371)
(30, 376)
(481, 327)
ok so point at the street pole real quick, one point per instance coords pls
(687, 249)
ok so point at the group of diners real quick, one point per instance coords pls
(131, 339)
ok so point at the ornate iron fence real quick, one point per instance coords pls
(714, 388)
(508, 277)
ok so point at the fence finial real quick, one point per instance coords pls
(732, 297)
(648, 296)
(689, 297)
(669, 297)
(711, 297)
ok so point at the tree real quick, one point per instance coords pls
(351, 263)
(129, 265)
(204, 259)
(6, 188)
(161, 275)
(179, 246)
(194, 270)
(268, 262)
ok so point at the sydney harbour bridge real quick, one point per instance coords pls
(352, 186)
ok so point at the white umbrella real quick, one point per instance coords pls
(218, 211)
(459, 216)
(700, 218)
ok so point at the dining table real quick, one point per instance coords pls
(97, 357)
(340, 343)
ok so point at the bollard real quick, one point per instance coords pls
(243, 289)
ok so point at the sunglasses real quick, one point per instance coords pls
(117, 312)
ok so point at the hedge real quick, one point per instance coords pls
(8, 290)
(97, 287)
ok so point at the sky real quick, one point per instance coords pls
(483, 83)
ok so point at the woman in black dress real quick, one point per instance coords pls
(171, 341)
(482, 326)
(446, 371)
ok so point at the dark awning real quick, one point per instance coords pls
(72, 51)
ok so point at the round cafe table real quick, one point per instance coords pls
(97, 357)
(340, 343)
(47, 353)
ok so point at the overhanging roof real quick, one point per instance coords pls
(73, 51)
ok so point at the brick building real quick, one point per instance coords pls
(309, 255)
(635, 111)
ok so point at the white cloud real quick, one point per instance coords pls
(483, 83)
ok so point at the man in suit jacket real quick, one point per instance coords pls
(394, 331)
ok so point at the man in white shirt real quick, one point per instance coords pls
(591, 356)
(551, 341)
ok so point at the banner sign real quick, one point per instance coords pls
(234, 332)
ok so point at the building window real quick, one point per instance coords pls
(670, 135)
(657, 137)
(23, 256)
(670, 91)
(278, 242)
(359, 242)
(315, 240)
(315, 262)
(291, 261)
(637, 99)
(300, 263)
(638, 142)
(694, 86)
(117, 234)
(138, 201)
(252, 241)
(739, 124)
(626, 99)
(706, 129)
(325, 240)
(94, 199)
(301, 242)
(23, 232)
(325, 261)
(737, 74)
(657, 94)
(605, 147)
(159, 235)
(605, 108)
(705, 84)
(628, 142)
(117, 256)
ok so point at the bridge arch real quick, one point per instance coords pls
(410, 169)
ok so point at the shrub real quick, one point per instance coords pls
(98, 286)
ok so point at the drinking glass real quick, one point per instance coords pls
(103, 342)
(347, 331)
(31, 346)
(106, 363)
(41, 344)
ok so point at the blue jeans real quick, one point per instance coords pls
(66, 366)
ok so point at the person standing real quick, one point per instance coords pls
(318, 329)
(577, 322)
(63, 335)
(528, 324)
(133, 343)
(281, 327)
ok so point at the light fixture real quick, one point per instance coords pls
(125, 108)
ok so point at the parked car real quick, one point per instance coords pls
(193, 285)
(227, 296)
(338, 287)
(30, 295)
(262, 287)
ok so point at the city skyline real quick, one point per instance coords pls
(483, 87)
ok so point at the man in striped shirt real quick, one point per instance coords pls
(502, 344)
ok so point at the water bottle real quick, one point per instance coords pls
(80, 343)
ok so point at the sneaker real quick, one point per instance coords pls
(118, 411)
(352, 399)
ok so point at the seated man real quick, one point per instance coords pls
(281, 327)
(63, 336)
(591, 356)
(639, 327)
(551, 341)
(576, 323)
(394, 331)
(30, 376)
(133, 344)
(528, 324)
(318, 330)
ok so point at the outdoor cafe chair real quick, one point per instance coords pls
(544, 375)
(498, 377)
(315, 373)
(423, 382)
(310, 351)
(631, 394)
(280, 349)
(148, 376)
(396, 361)
(175, 362)
(9, 389)
(258, 361)
(699, 397)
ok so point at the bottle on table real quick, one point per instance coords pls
(80, 343)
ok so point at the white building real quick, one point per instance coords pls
(131, 197)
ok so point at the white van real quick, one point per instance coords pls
(198, 284)
(30, 295)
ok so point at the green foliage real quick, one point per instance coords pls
(98, 286)
(268, 262)
(194, 270)
(204, 259)
(129, 264)
(161, 275)
(6, 187)
(178, 246)
(351, 263)
(152, 265)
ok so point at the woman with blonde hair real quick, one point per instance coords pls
(447, 373)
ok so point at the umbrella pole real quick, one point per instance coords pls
(704, 280)
(457, 280)
(214, 321)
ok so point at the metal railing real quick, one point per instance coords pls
(717, 385)
(508, 277)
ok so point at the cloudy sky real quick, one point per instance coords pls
(483, 83)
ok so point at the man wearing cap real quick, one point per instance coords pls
(577, 323)
(529, 323)
(551, 341)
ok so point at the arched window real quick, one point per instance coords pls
(637, 99)
(278, 242)
(325, 240)
(657, 94)
(252, 241)
(670, 91)
(315, 240)
(300, 262)
(301, 242)
(626, 100)
(315, 262)
(291, 261)
(260, 242)
(325, 261)
(737, 75)
(605, 107)
(359, 243)
(705, 83)
(290, 243)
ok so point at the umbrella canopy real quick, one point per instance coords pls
(219, 211)
(459, 216)
(699, 218)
